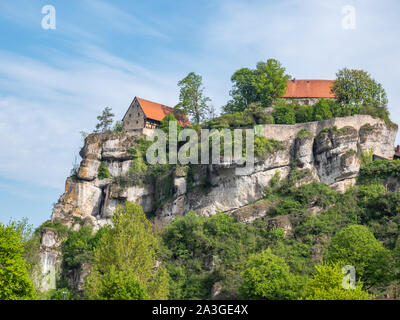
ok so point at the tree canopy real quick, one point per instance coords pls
(326, 284)
(263, 85)
(358, 87)
(15, 283)
(124, 264)
(357, 246)
(268, 277)
(192, 100)
(105, 120)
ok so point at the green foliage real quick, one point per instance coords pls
(61, 229)
(118, 127)
(230, 120)
(264, 146)
(262, 85)
(257, 114)
(356, 245)
(378, 171)
(284, 113)
(303, 113)
(366, 157)
(303, 133)
(61, 294)
(15, 283)
(254, 114)
(78, 248)
(203, 251)
(126, 258)
(105, 121)
(322, 110)
(267, 276)
(191, 97)
(121, 285)
(357, 92)
(287, 206)
(326, 284)
(357, 87)
(103, 172)
(317, 194)
(166, 121)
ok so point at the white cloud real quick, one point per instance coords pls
(44, 107)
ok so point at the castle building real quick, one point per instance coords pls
(148, 114)
(308, 91)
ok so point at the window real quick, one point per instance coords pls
(138, 114)
(137, 121)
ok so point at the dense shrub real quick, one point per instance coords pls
(267, 276)
(284, 113)
(356, 245)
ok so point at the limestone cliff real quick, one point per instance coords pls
(329, 149)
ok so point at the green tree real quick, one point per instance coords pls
(243, 91)
(268, 277)
(357, 246)
(271, 81)
(15, 283)
(357, 87)
(304, 113)
(191, 97)
(262, 85)
(322, 110)
(284, 113)
(125, 260)
(118, 126)
(327, 285)
(258, 115)
(105, 120)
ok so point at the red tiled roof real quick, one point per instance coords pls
(309, 89)
(157, 111)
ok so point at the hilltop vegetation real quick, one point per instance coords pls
(219, 257)
(297, 250)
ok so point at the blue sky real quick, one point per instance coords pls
(53, 83)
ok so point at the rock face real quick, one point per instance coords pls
(329, 149)
(50, 259)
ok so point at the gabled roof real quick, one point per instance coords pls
(156, 111)
(309, 89)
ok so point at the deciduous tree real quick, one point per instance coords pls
(15, 283)
(192, 100)
(125, 265)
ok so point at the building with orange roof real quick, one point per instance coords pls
(144, 113)
(308, 91)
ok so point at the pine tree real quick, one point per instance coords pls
(105, 120)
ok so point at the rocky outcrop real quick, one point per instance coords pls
(50, 259)
(329, 149)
